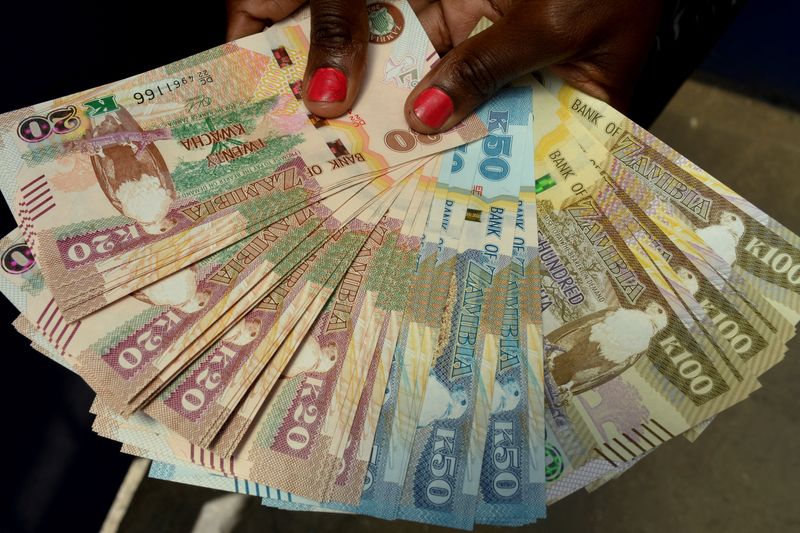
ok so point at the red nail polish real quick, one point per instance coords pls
(433, 107)
(327, 84)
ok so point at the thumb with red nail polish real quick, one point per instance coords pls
(461, 80)
(433, 107)
(337, 56)
(327, 84)
(597, 47)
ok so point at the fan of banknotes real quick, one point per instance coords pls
(345, 315)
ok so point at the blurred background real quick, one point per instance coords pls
(722, 87)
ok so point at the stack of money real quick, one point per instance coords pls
(343, 315)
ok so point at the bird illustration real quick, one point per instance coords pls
(689, 280)
(146, 201)
(603, 347)
(133, 175)
(311, 357)
(724, 237)
(402, 73)
(440, 403)
(179, 290)
(243, 332)
(506, 397)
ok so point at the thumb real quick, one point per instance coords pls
(477, 68)
(337, 56)
(246, 17)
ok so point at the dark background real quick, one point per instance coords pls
(58, 473)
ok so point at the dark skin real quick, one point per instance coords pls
(596, 46)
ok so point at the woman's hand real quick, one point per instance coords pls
(596, 46)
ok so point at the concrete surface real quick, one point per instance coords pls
(742, 475)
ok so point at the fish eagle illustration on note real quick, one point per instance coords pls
(132, 172)
(689, 279)
(311, 357)
(440, 403)
(243, 332)
(180, 290)
(724, 237)
(506, 397)
(602, 346)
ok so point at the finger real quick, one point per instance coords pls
(474, 70)
(337, 57)
(609, 71)
(450, 22)
(419, 5)
(241, 24)
(461, 16)
(246, 17)
(434, 23)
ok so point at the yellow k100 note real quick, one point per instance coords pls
(746, 239)
(628, 365)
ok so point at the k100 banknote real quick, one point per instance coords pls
(748, 241)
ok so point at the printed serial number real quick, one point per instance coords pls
(160, 89)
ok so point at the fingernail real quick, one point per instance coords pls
(433, 107)
(327, 85)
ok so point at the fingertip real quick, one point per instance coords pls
(337, 56)
(328, 93)
(419, 127)
(430, 110)
(241, 24)
(327, 85)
